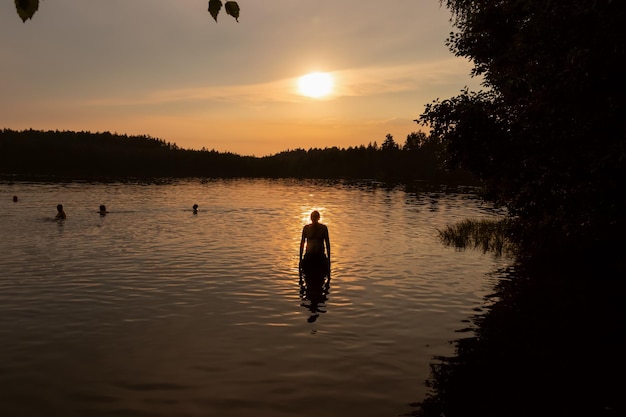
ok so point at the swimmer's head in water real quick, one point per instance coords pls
(195, 207)
(103, 208)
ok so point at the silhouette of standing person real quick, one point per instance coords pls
(315, 239)
(60, 213)
(314, 265)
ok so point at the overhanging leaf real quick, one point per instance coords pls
(232, 8)
(26, 8)
(214, 8)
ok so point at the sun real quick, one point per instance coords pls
(315, 84)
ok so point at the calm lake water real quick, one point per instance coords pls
(152, 310)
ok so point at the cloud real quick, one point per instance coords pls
(356, 82)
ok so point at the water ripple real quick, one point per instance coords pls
(154, 310)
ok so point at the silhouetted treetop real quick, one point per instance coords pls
(84, 155)
(547, 133)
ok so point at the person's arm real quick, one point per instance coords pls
(327, 241)
(300, 261)
(302, 239)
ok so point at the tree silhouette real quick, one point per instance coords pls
(414, 141)
(389, 144)
(547, 134)
(106, 156)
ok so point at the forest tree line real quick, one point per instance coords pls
(107, 156)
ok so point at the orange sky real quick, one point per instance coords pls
(167, 70)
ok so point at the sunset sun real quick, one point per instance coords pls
(315, 84)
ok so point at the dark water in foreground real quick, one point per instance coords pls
(152, 310)
(552, 345)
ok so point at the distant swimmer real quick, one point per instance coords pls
(15, 199)
(60, 213)
(103, 210)
(195, 209)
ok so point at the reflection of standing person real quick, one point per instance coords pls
(315, 238)
(60, 212)
(314, 295)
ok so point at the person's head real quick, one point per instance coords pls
(103, 207)
(59, 207)
(315, 216)
(195, 207)
(15, 199)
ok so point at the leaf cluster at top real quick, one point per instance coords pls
(26, 8)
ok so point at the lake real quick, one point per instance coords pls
(152, 310)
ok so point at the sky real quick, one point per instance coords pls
(166, 69)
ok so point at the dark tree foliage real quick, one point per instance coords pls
(106, 156)
(547, 134)
(390, 144)
(26, 8)
(231, 7)
(414, 141)
(81, 155)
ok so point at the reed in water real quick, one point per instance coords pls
(485, 234)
